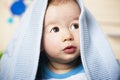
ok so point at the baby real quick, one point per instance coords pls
(58, 40)
(61, 41)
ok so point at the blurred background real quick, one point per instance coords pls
(106, 12)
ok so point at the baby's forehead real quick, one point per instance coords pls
(62, 13)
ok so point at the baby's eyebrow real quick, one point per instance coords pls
(76, 18)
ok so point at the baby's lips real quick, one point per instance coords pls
(69, 49)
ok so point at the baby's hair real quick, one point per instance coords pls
(56, 2)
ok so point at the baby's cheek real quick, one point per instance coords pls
(49, 44)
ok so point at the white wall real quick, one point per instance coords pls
(107, 13)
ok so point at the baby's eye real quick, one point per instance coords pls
(55, 29)
(74, 26)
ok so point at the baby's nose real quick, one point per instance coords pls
(67, 36)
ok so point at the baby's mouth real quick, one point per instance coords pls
(69, 49)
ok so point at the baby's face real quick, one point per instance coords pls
(61, 32)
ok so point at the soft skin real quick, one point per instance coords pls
(61, 35)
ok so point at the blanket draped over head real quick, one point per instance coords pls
(20, 60)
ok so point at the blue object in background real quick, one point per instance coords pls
(18, 8)
(10, 20)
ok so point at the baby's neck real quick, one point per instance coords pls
(60, 68)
